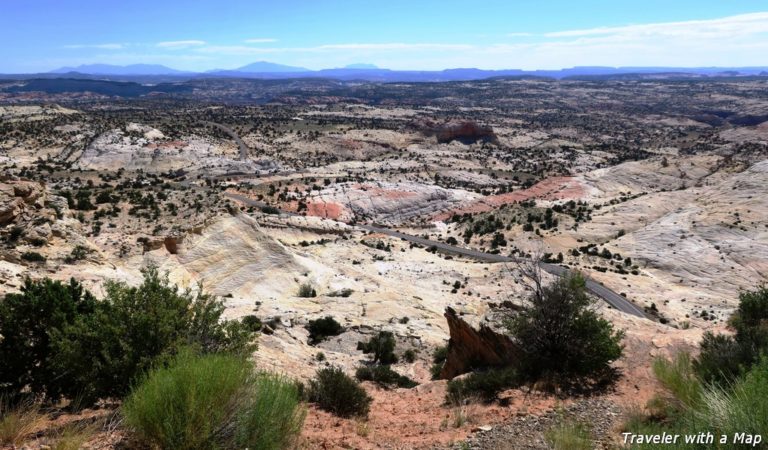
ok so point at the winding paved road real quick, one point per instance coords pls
(612, 298)
(241, 145)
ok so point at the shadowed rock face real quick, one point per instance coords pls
(472, 349)
(465, 131)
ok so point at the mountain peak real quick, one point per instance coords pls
(365, 66)
(269, 67)
(109, 69)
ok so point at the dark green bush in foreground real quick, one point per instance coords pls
(384, 376)
(724, 357)
(62, 342)
(27, 320)
(563, 338)
(337, 393)
(214, 401)
(689, 407)
(724, 391)
(134, 327)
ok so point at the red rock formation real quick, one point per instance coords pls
(471, 349)
(465, 131)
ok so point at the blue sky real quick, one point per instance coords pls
(41, 35)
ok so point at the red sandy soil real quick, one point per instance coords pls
(418, 418)
(555, 188)
(329, 210)
(412, 419)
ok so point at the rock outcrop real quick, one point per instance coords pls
(472, 349)
(146, 148)
(232, 255)
(17, 195)
(465, 131)
(384, 202)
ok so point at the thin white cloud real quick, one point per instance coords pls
(394, 46)
(180, 44)
(260, 41)
(726, 27)
(739, 40)
(97, 46)
(328, 48)
(238, 50)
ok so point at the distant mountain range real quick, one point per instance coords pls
(108, 69)
(262, 67)
(370, 72)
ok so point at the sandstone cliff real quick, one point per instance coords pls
(472, 349)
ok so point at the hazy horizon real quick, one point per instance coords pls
(398, 35)
(353, 66)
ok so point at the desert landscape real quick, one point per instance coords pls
(405, 208)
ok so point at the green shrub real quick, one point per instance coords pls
(104, 197)
(724, 391)
(346, 292)
(78, 253)
(15, 233)
(438, 358)
(678, 377)
(435, 369)
(28, 324)
(382, 346)
(337, 393)
(483, 385)
(37, 242)
(384, 376)
(740, 407)
(135, 327)
(569, 436)
(252, 323)
(409, 355)
(33, 257)
(440, 354)
(320, 329)
(306, 291)
(563, 337)
(273, 415)
(213, 401)
(59, 341)
(270, 210)
(723, 357)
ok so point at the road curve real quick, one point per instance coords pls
(240, 144)
(612, 298)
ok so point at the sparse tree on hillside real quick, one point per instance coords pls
(563, 339)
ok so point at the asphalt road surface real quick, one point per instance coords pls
(612, 298)
(240, 144)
